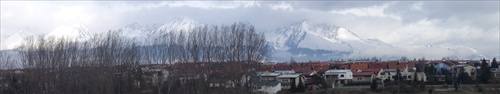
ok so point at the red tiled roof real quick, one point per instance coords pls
(359, 66)
(396, 65)
(296, 67)
(279, 64)
(336, 63)
(411, 64)
(450, 63)
(344, 66)
(362, 73)
(377, 65)
(265, 68)
(321, 68)
(320, 64)
(282, 68)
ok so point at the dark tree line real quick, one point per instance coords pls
(109, 63)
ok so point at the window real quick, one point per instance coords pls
(359, 78)
(284, 80)
(341, 75)
(409, 77)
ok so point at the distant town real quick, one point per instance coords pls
(397, 76)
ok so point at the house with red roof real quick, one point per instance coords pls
(284, 67)
(344, 66)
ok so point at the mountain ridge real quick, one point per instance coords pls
(302, 40)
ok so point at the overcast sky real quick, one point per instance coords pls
(447, 23)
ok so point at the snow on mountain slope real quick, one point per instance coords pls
(379, 43)
(15, 40)
(177, 24)
(304, 39)
(320, 37)
(459, 51)
(73, 31)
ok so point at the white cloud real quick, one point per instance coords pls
(282, 6)
(417, 6)
(5, 15)
(373, 11)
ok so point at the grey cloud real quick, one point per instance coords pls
(482, 13)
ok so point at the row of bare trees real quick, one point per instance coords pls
(238, 42)
(195, 60)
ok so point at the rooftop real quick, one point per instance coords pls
(339, 70)
(289, 76)
(268, 74)
(285, 71)
(362, 73)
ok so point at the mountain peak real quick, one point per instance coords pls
(183, 19)
(15, 40)
(177, 24)
(76, 31)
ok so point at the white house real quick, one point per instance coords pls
(268, 86)
(469, 69)
(286, 80)
(388, 74)
(406, 73)
(342, 76)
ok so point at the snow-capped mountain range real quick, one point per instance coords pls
(302, 40)
(308, 35)
(72, 31)
(15, 40)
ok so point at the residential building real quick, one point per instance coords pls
(388, 74)
(287, 79)
(495, 73)
(470, 70)
(285, 71)
(268, 75)
(362, 77)
(224, 83)
(340, 77)
(268, 86)
(441, 66)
